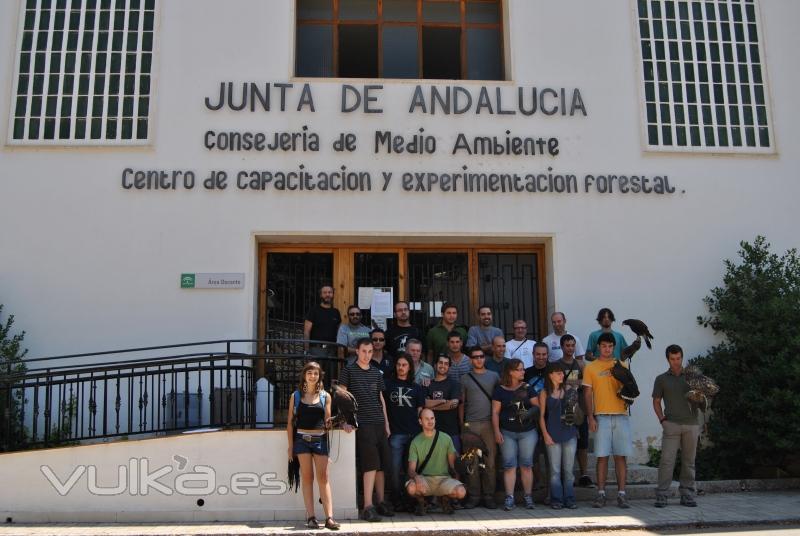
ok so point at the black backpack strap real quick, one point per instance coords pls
(421, 467)
(519, 346)
(471, 377)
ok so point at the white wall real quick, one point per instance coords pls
(86, 265)
(109, 482)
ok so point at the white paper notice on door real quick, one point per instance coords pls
(382, 303)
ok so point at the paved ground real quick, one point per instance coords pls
(717, 510)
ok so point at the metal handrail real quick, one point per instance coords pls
(74, 402)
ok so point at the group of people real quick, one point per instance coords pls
(427, 410)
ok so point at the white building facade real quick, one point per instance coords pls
(537, 156)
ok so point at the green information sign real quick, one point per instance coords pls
(187, 280)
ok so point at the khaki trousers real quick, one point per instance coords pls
(675, 436)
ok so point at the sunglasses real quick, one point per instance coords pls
(378, 340)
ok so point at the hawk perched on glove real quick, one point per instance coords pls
(640, 329)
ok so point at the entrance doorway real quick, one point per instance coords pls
(509, 279)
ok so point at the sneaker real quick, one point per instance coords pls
(471, 503)
(572, 505)
(447, 506)
(385, 509)
(490, 503)
(529, 502)
(585, 481)
(370, 514)
(688, 500)
(419, 509)
(661, 501)
(556, 506)
(599, 501)
(508, 503)
(622, 501)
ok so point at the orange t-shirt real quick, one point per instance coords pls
(597, 375)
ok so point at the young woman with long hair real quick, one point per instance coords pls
(514, 430)
(308, 441)
(561, 439)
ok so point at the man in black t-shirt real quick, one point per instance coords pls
(535, 376)
(401, 331)
(404, 400)
(443, 397)
(321, 324)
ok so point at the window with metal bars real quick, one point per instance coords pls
(83, 72)
(704, 82)
(431, 39)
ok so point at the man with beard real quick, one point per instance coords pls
(321, 324)
(401, 330)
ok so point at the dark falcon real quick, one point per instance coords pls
(640, 329)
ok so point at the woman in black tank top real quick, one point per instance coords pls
(306, 431)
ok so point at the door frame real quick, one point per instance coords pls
(344, 269)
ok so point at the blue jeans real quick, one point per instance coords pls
(398, 443)
(562, 460)
(517, 448)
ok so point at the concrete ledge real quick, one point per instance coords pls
(719, 510)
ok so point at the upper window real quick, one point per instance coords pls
(704, 83)
(434, 39)
(83, 72)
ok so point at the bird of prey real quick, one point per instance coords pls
(629, 390)
(472, 460)
(701, 387)
(344, 407)
(640, 329)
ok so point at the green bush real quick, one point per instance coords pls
(755, 417)
(12, 433)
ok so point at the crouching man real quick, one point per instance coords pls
(431, 460)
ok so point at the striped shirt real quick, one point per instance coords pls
(366, 386)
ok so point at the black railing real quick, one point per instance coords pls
(152, 391)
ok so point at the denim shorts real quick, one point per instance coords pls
(517, 448)
(613, 436)
(301, 446)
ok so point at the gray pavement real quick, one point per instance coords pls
(717, 510)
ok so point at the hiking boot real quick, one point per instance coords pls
(419, 509)
(490, 503)
(599, 501)
(471, 503)
(447, 506)
(622, 501)
(688, 500)
(369, 514)
(385, 509)
(585, 481)
(661, 501)
(529, 502)
(508, 503)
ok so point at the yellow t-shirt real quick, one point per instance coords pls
(597, 375)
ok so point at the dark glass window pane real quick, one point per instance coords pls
(652, 134)
(314, 9)
(400, 10)
(484, 60)
(400, 52)
(358, 51)
(441, 12)
(127, 129)
(483, 12)
(314, 50)
(358, 9)
(441, 53)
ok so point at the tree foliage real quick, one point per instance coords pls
(756, 415)
(11, 363)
